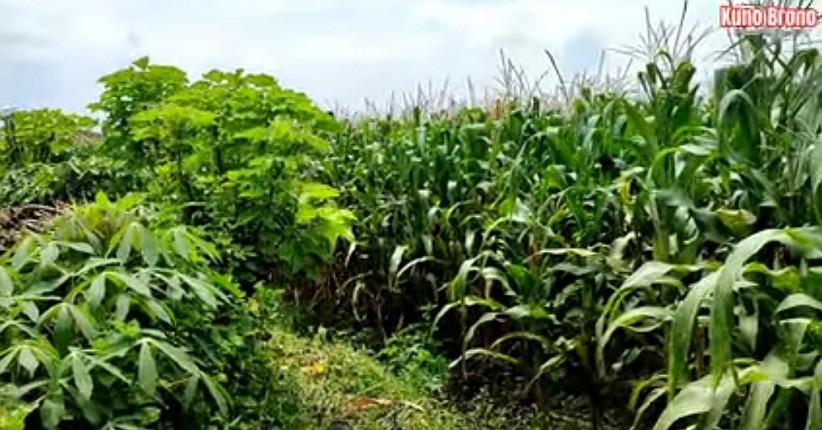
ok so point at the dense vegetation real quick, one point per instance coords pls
(654, 250)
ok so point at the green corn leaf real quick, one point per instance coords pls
(760, 395)
(651, 316)
(547, 345)
(394, 262)
(799, 300)
(721, 318)
(524, 311)
(682, 330)
(474, 352)
(655, 395)
(698, 398)
(814, 420)
(484, 319)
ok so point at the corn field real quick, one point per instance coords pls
(651, 247)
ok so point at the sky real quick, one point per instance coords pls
(339, 52)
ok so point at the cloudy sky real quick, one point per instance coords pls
(52, 51)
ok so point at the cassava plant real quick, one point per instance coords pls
(101, 313)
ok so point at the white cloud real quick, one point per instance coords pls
(52, 51)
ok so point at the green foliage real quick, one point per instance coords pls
(39, 136)
(582, 246)
(411, 356)
(47, 155)
(666, 235)
(98, 316)
(236, 153)
(128, 92)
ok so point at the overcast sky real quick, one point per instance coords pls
(53, 51)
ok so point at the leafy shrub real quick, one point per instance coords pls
(236, 153)
(50, 156)
(39, 136)
(411, 355)
(98, 319)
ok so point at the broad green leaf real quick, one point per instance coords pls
(202, 290)
(520, 312)
(23, 252)
(63, 328)
(178, 356)
(122, 306)
(132, 282)
(126, 243)
(317, 190)
(160, 311)
(82, 378)
(80, 247)
(147, 369)
(6, 285)
(7, 359)
(651, 316)
(799, 300)
(721, 318)
(149, 248)
(697, 398)
(27, 360)
(191, 391)
(84, 321)
(181, 244)
(756, 405)
(814, 420)
(217, 393)
(49, 254)
(52, 412)
(682, 330)
(474, 352)
(97, 290)
(396, 259)
(32, 311)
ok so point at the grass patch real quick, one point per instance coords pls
(337, 382)
(332, 382)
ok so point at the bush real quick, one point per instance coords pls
(101, 320)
